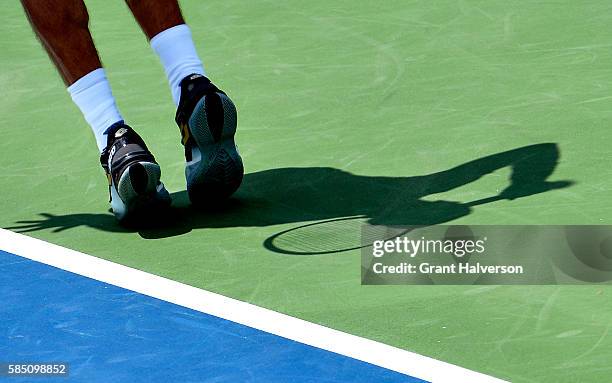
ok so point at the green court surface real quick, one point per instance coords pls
(346, 108)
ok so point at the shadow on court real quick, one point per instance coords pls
(297, 195)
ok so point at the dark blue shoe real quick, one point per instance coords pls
(207, 120)
(133, 174)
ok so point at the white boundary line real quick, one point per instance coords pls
(312, 334)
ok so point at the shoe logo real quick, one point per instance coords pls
(110, 157)
(120, 132)
(194, 76)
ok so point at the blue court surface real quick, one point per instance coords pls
(109, 334)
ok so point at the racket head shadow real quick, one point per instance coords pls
(331, 236)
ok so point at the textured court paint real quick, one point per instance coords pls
(394, 89)
(109, 334)
(244, 313)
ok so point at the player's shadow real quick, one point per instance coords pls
(295, 195)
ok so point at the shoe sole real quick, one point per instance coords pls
(216, 170)
(139, 192)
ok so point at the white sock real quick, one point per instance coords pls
(175, 49)
(92, 94)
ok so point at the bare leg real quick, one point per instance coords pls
(164, 26)
(62, 26)
(156, 16)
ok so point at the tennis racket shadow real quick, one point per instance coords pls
(394, 206)
(329, 206)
